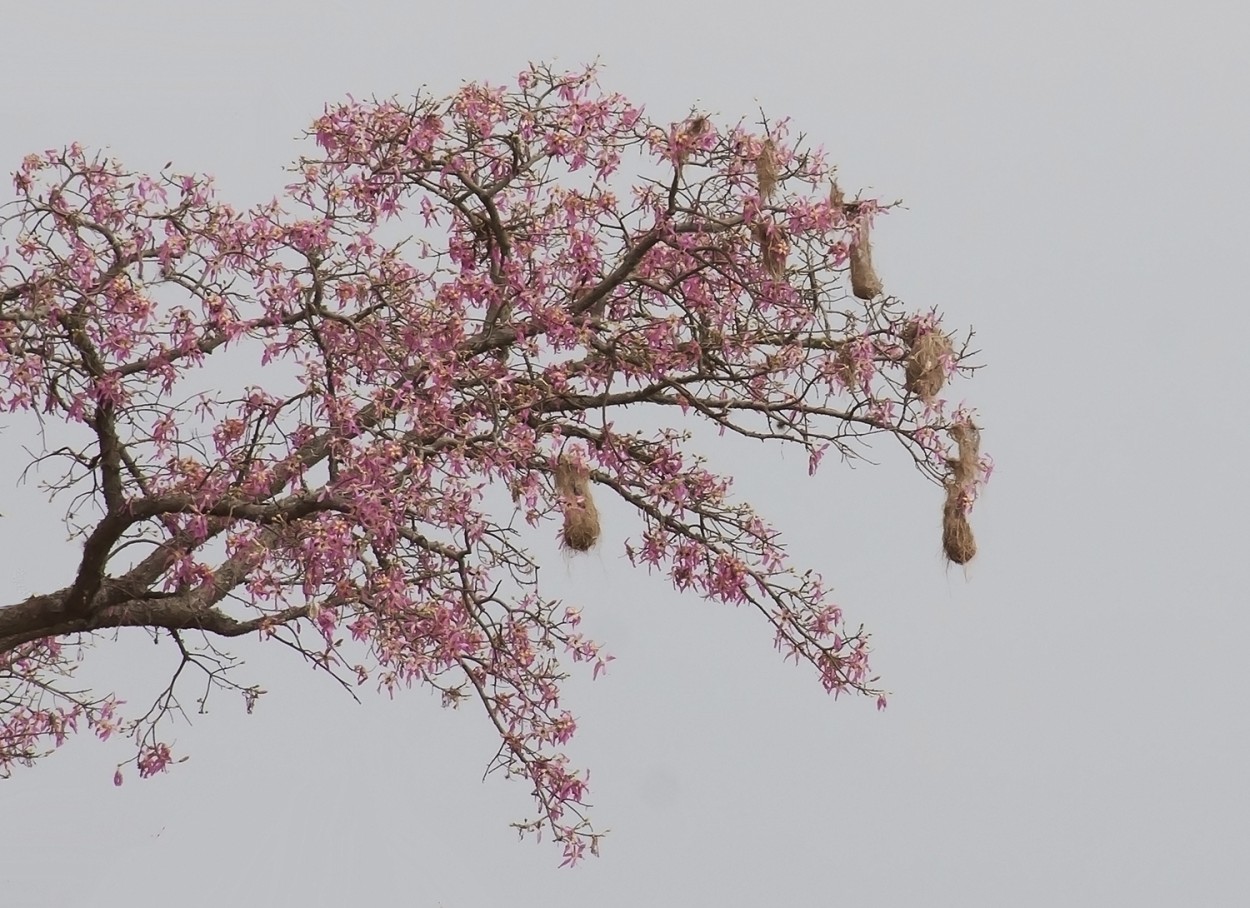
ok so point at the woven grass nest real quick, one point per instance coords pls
(581, 517)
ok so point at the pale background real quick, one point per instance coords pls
(1068, 723)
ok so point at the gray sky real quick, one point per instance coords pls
(1068, 722)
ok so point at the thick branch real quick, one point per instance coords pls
(173, 613)
(95, 555)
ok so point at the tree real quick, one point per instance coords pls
(520, 338)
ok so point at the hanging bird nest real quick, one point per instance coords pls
(865, 283)
(836, 199)
(581, 517)
(774, 248)
(967, 464)
(766, 171)
(957, 539)
(927, 359)
(846, 367)
(688, 135)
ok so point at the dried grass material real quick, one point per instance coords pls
(965, 467)
(688, 136)
(957, 539)
(581, 517)
(926, 362)
(774, 248)
(846, 367)
(865, 283)
(766, 169)
(697, 127)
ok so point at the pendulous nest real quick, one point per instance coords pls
(766, 171)
(928, 355)
(865, 283)
(774, 248)
(965, 468)
(967, 464)
(957, 539)
(581, 517)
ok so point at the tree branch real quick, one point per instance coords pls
(175, 613)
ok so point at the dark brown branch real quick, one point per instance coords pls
(95, 555)
(289, 509)
(174, 613)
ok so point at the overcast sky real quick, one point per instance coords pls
(1069, 721)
